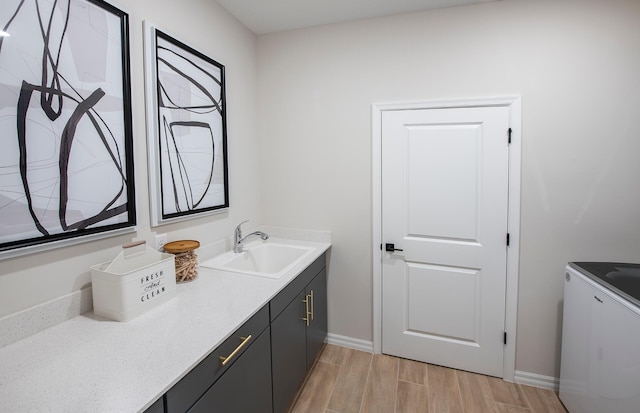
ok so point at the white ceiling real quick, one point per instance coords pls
(268, 16)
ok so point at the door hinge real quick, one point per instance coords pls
(509, 133)
(508, 239)
(380, 247)
(505, 337)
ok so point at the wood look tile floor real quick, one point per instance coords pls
(350, 381)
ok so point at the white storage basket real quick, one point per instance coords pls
(137, 280)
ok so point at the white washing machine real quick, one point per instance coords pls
(600, 364)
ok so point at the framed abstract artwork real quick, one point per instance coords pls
(65, 115)
(186, 128)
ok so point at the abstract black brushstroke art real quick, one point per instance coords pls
(66, 165)
(187, 130)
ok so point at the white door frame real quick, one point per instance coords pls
(513, 252)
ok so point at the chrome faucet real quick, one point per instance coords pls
(238, 239)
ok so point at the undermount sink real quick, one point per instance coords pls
(265, 259)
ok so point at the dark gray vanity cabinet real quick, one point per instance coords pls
(298, 331)
(243, 380)
(268, 356)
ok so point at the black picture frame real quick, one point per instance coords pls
(187, 130)
(66, 120)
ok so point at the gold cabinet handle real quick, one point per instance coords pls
(225, 360)
(312, 308)
(307, 313)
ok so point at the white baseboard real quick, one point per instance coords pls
(350, 342)
(537, 380)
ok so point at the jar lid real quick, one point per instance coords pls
(176, 247)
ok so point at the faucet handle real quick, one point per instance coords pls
(238, 229)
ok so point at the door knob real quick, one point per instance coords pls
(391, 248)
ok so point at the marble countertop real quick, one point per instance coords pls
(92, 364)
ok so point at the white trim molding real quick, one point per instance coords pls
(350, 342)
(537, 380)
(514, 104)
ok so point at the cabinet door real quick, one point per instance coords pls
(317, 330)
(288, 353)
(245, 386)
(157, 407)
(284, 297)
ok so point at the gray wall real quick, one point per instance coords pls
(300, 139)
(576, 64)
(37, 278)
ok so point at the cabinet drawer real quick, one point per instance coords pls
(282, 300)
(188, 390)
(244, 388)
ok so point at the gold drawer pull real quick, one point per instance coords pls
(307, 313)
(312, 308)
(225, 360)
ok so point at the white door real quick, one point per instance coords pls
(444, 207)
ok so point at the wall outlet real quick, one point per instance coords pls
(160, 239)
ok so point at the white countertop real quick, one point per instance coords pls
(91, 364)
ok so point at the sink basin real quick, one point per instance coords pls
(267, 259)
